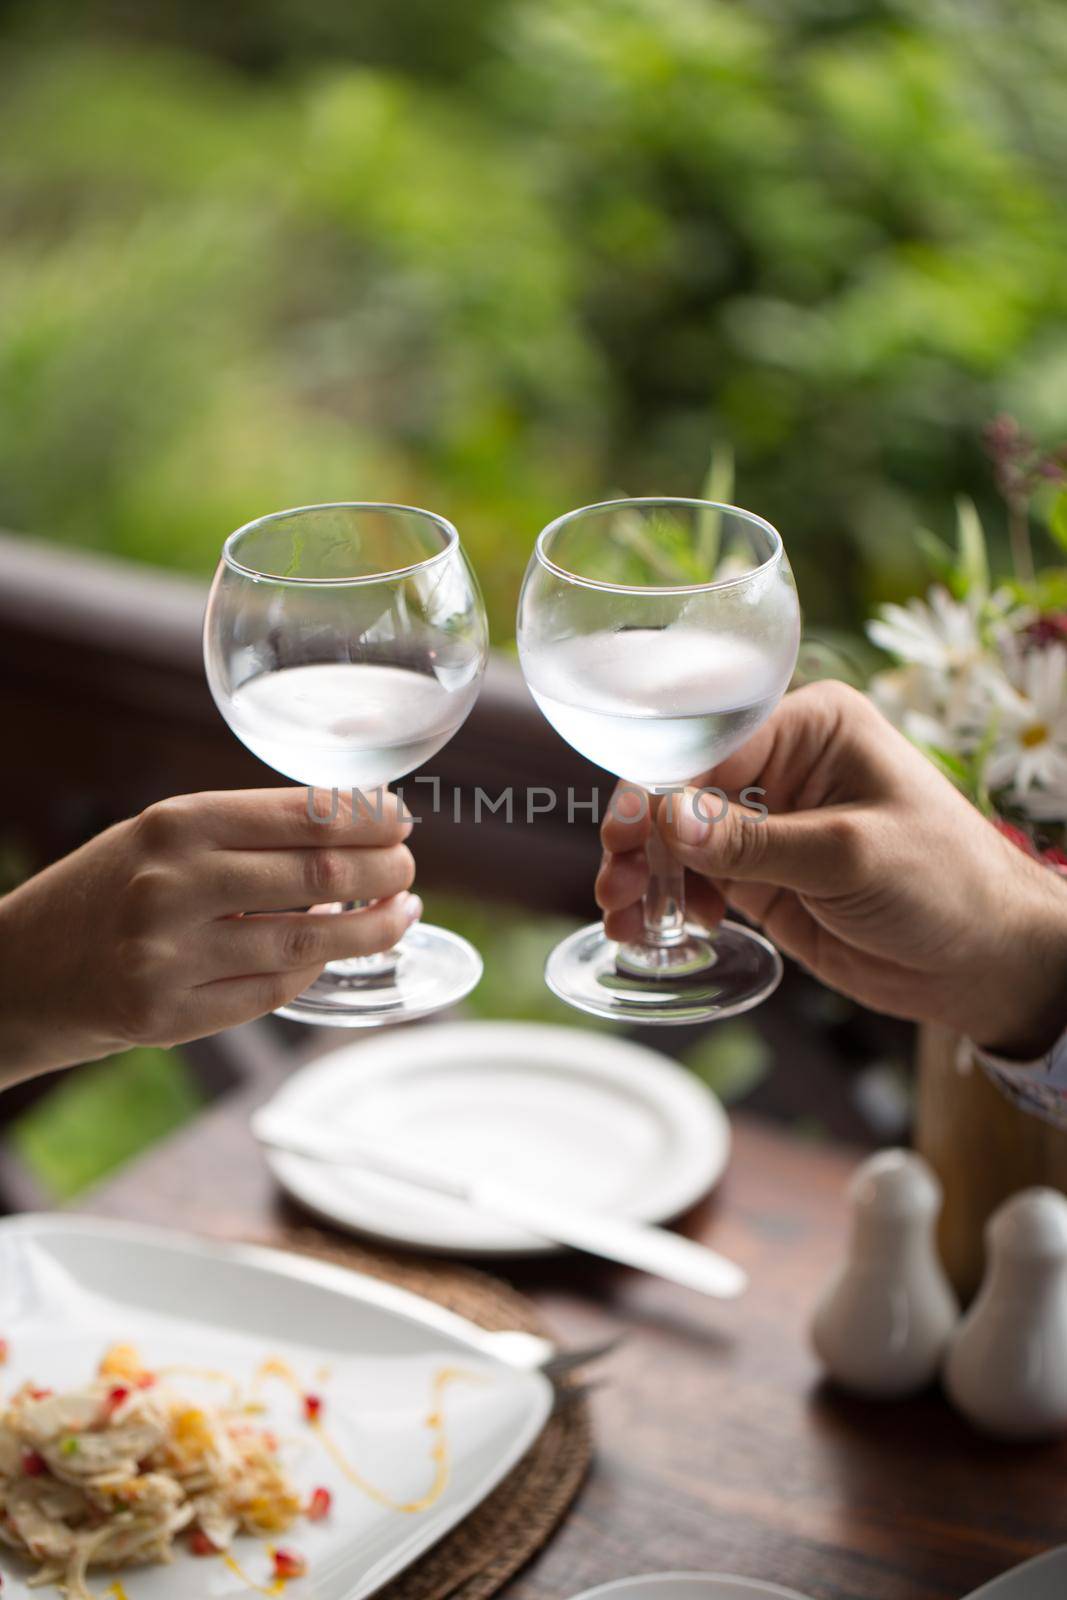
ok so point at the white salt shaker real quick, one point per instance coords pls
(1007, 1365)
(885, 1320)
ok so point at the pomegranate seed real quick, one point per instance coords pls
(33, 1464)
(288, 1564)
(41, 1394)
(115, 1397)
(312, 1407)
(201, 1545)
(319, 1505)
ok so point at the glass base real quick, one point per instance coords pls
(429, 970)
(710, 976)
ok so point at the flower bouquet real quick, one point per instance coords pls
(980, 680)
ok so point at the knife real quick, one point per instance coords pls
(634, 1244)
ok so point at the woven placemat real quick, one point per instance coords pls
(479, 1556)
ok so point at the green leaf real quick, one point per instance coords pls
(971, 549)
(936, 553)
(1057, 521)
(834, 654)
(952, 765)
(718, 486)
(658, 547)
(1048, 592)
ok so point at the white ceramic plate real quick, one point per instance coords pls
(690, 1586)
(1043, 1578)
(70, 1287)
(590, 1118)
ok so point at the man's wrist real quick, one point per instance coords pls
(1031, 1015)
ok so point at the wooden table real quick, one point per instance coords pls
(717, 1446)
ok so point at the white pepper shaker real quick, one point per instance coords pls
(1006, 1369)
(885, 1319)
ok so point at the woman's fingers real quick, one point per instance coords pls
(232, 1001)
(244, 946)
(273, 819)
(274, 880)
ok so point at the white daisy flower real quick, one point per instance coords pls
(941, 634)
(909, 697)
(941, 690)
(1040, 805)
(1029, 754)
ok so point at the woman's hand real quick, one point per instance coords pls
(869, 868)
(139, 937)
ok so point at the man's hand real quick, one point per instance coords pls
(139, 937)
(870, 869)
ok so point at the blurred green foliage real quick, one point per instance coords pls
(732, 1058)
(100, 1116)
(515, 944)
(505, 256)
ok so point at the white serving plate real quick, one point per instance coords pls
(690, 1586)
(588, 1117)
(71, 1286)
(1043, 1578)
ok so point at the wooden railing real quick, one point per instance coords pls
(106, 708)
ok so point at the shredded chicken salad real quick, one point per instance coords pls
(112, 1473)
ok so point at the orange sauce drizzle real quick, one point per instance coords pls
(178, 1369)
(440, 1455)
(234, 1566)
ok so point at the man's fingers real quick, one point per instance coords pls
(704, 905)
(813, 852)
(621, 880)
(626, 926)
(800, 934)
(273, 880)
(807, 749)
(243, 946)
(628, 821)
(274, 819)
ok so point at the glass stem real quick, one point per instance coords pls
(668, 952)
(665, 896)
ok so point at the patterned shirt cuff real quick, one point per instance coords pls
(1039, 1087)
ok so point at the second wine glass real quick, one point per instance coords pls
(656, 635)
(344, 645)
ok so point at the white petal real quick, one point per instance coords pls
(927, 730)
(1001, 765)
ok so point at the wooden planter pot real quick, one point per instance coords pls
(982, 1147)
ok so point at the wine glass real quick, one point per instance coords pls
(344, 645)
(656, 635)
